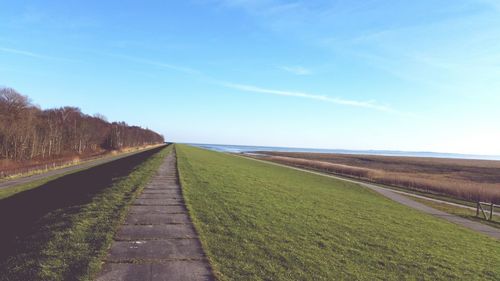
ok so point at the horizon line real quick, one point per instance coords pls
(495, 157)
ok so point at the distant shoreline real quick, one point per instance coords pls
(248, 148)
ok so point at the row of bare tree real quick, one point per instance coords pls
(28, 132)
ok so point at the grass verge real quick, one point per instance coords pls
(259, 221)
(70, 238)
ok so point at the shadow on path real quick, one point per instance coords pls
(26, 214)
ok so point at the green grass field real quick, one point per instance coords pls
(258, 221)
(70, 241)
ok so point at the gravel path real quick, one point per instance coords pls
(157, 240)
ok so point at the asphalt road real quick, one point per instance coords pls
(91, 163)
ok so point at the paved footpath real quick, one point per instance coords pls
(157, 240)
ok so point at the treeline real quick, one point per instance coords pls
(28, 132)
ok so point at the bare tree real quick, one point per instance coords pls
(27, 132)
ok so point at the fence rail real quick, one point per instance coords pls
(487, 213)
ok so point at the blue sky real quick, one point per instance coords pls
(399, 75)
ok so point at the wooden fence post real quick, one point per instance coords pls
(482, 210)
(491, 211)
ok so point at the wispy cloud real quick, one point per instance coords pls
(260, 6)
(24, 53)
(250, 88)
(34, 16)
(297, 70)
(34, 55)
(178, 68)
(339, 101)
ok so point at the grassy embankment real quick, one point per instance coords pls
(461, 211)
(456, 179)
(259, 221)
(62, 229)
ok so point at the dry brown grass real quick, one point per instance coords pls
(469, 180)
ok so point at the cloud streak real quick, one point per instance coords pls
(24, 53)
(297, 70)
(254, 89)
(339, 101)
(34, 55)
(178, 68)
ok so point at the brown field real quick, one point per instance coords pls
(469, 180)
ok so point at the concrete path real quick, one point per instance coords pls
(58, 171)
(157, 240)
(400, 197)
(431, 199)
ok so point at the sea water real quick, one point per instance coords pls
(252, 149)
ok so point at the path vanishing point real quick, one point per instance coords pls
(158, 240)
